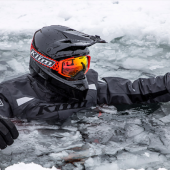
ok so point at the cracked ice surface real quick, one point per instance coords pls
(101, 137)
(96, 140)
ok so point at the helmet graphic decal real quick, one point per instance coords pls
(44, 60)
(41, 59)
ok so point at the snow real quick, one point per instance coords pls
(106, 18)
(22, 166)
(138, 45)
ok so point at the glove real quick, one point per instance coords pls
(8, 133)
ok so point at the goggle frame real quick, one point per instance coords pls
(53, 64)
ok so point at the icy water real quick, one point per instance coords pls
(101, 137)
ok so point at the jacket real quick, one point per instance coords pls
(25, 97)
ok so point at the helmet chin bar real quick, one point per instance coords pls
(70, 92)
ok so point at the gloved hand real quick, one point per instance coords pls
(8, 133)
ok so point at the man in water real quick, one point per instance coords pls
(61, 83)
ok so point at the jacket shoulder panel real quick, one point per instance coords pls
(17, 91)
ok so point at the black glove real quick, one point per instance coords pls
(8, 133)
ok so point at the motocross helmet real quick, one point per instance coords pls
(59, 55)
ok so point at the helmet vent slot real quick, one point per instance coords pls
(66, 41)
(70, 30)
(85, 35)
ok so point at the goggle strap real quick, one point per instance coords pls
(54, 67)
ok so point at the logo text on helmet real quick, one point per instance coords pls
(41, 59)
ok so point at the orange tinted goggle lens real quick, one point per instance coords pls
(70, 67)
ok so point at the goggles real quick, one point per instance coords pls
(69, 67)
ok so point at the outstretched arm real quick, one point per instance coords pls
(144, 90)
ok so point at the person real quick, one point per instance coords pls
(61, 82)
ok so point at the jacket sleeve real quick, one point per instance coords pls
(46, 111)
(143, 90)
(5, 108)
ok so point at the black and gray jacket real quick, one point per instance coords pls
(25, 97)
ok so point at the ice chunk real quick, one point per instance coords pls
(110, 166)
(142, 138)
(59, 156)
(165, 119)
(68, 166)
(73, 156)
(97, 164)
(135, 148)
(155, 67)
(3, 68)
(144, 159)
(112, 148)
(157, 144)
(99, 134)
(18, 67)
(153, 52)
(133, 129)
(134, 120)
(108, 109)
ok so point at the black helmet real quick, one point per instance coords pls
(56, 43)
